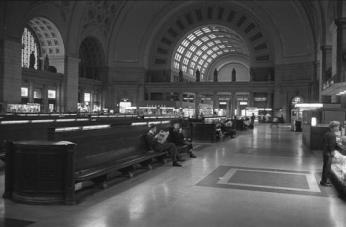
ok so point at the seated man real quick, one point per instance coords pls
(227, 129)
(152, 140)
(176, 136)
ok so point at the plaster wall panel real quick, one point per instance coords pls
(293, 27)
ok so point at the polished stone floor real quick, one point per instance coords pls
(263, 177)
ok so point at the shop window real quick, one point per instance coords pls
(37, 94)
(24, 92)
(87, 97)
(51, 94)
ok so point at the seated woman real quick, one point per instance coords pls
(176, 136)
(157, 144)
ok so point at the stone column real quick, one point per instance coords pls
(197, 101)
(31, 92)
(250, 101)
(215, 101)
(326, 62)
(230, 106)
(109, 97)
(277, 99)
(45, 99)
(341, 50)
(139, 97)
(269, 100)
(234, 103)
(71, 80)
(181, 100)
(10, 71)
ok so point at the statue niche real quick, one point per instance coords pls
(234, 75)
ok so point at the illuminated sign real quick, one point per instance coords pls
(243, 103)
(313, 121)
(87, 97)
(123, 106)
(309, 105)
(24, 91)
(260, 99)
(51, 94)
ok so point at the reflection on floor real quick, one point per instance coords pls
(263, 177)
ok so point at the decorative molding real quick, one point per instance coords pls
(101, 14)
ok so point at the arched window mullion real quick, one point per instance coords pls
(30, 43)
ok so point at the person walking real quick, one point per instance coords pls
(329, 147)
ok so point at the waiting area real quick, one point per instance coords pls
(263, 177)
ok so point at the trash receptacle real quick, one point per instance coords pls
(38, 171)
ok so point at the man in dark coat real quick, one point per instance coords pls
(151, 139)
(177, 137)
(329, 146)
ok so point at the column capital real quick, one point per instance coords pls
(341, 21)
(326, 47)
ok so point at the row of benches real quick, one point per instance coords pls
(97, 154)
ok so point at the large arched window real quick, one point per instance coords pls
(42, 38)
(29, 45)
(199, 48)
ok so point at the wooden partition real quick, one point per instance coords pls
(39, 172)
(45, 172)
(202, 132)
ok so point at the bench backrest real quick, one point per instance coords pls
(95, 147)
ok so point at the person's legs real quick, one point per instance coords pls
(172, 150)
(327, 162)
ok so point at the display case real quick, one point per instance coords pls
(339, 170)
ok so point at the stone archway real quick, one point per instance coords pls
(50, 41)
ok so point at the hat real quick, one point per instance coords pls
(333, 124)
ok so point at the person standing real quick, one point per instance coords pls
(329, 146)
(252, 123)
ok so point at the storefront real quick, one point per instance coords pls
(43, 98)
(52, 104)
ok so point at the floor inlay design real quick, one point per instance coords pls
(269, 180)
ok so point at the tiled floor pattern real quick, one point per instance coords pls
(270, 180)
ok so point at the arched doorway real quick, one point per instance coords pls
(91, 74)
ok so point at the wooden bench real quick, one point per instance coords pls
(97, 155)
(100, 152)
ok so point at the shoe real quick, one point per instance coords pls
(326, 184)
(192, 155)
(177, 164)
